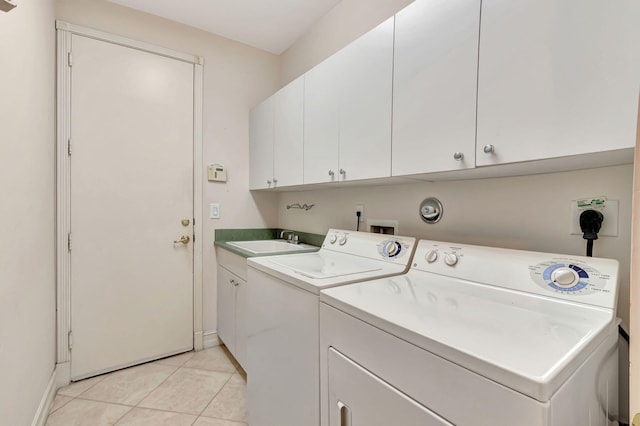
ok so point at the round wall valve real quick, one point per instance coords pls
(431, 210)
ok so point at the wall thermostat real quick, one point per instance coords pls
(217, 173)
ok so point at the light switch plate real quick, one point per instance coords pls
(609, 210)
(214, 211)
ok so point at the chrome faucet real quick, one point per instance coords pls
(292, 238)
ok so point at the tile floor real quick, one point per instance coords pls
(205, 388)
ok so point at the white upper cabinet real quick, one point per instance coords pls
(288, 134)
(261, 124)
(275, 138)
(347, 117)
(556, 78)
(321, 125)
(434, 86)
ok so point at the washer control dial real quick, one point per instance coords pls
(343, 239)
(431, 256)
(333, 238)
(451, 259)
(391, 248)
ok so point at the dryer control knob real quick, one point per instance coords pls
(342, 240)
(431, 256)
(451, 259)
(564, 277)
(333, 238)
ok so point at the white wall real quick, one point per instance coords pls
(27, 274)
(347, 21)
(236, 77)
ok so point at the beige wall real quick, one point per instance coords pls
(27, 185)
(526, 212)
(236, 77)
(347, 21)
(634, 376)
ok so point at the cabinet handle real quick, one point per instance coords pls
(488, 149)
(345, 414)
(268, 182)
(331, 173)
(458, 156)
(343, 172)
(275, 181)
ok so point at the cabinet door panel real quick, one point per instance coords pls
(226, 307)
(261, 134)
(434, 86)
(321, 125)
(365, 86)
(288, 134)
(556, 78)
(241, 324)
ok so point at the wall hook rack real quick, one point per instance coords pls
(298, 206)
(6, 5)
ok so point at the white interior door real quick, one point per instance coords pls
(131, 187)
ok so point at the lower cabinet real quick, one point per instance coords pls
(232, 300)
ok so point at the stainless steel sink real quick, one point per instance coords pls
(270, 246)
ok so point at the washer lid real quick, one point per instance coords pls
(319, 266)
(526, 342)
(324, 269)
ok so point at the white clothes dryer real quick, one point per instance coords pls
(473, 336)
(283, 341)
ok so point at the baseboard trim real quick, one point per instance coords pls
(210, 340)
(63, 374)
(198, 341)
(45, 403)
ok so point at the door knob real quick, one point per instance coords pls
(184, 240)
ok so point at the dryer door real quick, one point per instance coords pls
(358, 398)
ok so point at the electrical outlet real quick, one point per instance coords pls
(608, 208)
(360, 208)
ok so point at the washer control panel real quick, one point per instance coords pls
(568, 276)
(391, 248)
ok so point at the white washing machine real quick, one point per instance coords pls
(473, 336)
(283, 319)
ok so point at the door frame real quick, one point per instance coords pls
(64, 31)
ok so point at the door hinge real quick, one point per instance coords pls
(69, 147)
(69, 241)
(70, 340)
(194, 238)
(70, 59)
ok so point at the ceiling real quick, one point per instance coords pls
(271, 25)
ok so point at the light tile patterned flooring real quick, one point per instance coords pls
(205, 388)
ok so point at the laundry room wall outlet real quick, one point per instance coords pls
(608, 208)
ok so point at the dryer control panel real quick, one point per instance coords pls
(580, 279)
(569, 276)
